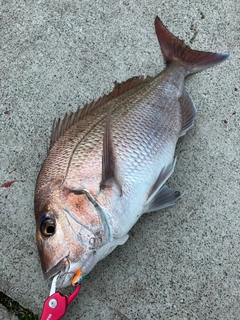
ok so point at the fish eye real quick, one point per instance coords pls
(47, 227)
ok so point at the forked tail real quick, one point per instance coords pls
(174, 49)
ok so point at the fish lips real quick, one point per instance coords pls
(65, 279)
(61, 267)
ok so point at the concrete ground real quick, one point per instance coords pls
(182, 263)
(5, 315)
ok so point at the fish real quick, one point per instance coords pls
(108, 163)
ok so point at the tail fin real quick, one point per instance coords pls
(174, 49)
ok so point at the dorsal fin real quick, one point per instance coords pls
(109, 175)
(61, 126)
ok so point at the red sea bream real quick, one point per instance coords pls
(108, 163)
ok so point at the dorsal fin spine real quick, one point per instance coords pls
(61, 126)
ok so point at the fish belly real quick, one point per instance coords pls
(130, 207)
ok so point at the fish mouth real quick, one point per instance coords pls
(69, 272)
(63, 270)
(60, 268)
(66, 270)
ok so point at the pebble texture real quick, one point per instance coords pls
(182, 263)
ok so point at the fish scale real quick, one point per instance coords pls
(108, 163)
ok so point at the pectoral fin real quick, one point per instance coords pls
(109, 176)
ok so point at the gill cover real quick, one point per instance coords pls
(79, 228)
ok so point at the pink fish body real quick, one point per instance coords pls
(108, 163)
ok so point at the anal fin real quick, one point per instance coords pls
(188, 111)
(161, 196)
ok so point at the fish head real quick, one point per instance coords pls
(69, 231)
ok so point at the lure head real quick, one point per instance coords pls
(69, 231)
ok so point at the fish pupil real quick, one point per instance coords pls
(50, 229)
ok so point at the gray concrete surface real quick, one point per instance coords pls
(182, 263)
(5, 315)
